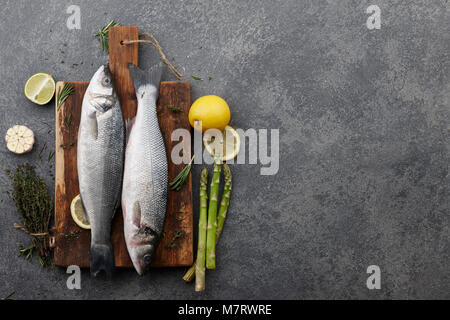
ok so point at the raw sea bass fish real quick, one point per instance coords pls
(100, 160)
(144, 195)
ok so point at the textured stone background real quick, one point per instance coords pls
(363, 118)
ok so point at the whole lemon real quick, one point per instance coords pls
(212, 111)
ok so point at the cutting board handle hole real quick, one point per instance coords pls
(121, 42)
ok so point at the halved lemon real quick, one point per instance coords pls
(78, 214)
(227, 145)
(40, 88)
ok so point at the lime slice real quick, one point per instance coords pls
(228, 146)
(40, 88)
(78, 214)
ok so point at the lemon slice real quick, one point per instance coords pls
(78, 214)
(40, 88)
(228, 146)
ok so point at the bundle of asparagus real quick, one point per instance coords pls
(210, 223)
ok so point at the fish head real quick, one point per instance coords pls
(100, 92)
(142, 247)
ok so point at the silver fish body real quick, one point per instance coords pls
(100, 160)
(145, 182)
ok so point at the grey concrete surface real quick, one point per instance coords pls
(363, 118)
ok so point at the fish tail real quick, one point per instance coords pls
(102, 258)
(145, 80)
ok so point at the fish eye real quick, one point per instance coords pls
(106, 82)
(147, 258)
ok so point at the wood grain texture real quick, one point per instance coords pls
(179, 216)
(72, 242)
(119, 57)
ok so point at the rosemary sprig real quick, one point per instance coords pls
(68, 120)
(42, 150)
(103, 34)
(64, 93)
(50, 156)
(181, 177)
(9, 296)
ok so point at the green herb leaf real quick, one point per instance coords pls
(174, 109)
(50, 156)
(64, 93)
(27, 252)
(103, 34)
(197, 78)
(180, 179)
(173, 242)
(68, 120)
(9, 296)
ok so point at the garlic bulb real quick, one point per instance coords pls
(19, 139)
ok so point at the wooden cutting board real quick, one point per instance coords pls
(72, 244)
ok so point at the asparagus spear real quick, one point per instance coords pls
(224, 204)
(201, 255)
(212, 217)
(190, 274)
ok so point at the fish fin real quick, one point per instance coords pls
(136, 214)
(93, 126)
(146, 81)
(84, 208)
(102, 258)
(129, 123)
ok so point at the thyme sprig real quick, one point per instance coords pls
(180, 179)
(35, 208)
(103, 34)
(173, 243)
(26, 252)
(64, 93)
